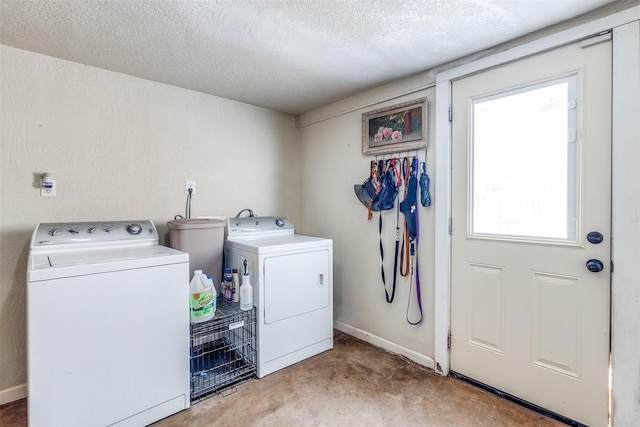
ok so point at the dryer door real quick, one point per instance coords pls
(295, 284)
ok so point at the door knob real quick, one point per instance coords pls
(595, 265)
(595, 237)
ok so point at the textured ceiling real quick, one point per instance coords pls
(288, 55)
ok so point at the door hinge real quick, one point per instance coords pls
(450, 113)
(611, 265)
(450, 226)
(449, 340)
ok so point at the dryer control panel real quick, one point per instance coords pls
(258, 226)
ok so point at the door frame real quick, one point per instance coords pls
(625, 195)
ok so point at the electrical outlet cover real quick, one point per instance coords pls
(48, 189)
(189, 184)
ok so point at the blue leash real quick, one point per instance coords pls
(409, 208)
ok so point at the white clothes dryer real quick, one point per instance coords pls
(292, 279)
(107, 325)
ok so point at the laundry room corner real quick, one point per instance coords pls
(332, 163)
(120, 148)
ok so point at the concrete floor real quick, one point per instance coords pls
(355, 384)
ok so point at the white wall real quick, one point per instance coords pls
(332, 162)
(625, 298)
(120, 148)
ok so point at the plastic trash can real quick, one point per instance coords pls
(203, 240)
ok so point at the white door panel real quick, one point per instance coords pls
(530, 179)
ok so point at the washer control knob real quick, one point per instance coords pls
(90, 230)
(279, 222)
(74, 231)
(108, 228)
(54, 231)
(134, 229)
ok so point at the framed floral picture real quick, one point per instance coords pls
(394, 129)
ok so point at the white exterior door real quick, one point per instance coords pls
(531, 203)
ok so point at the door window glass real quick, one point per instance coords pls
(523, 162)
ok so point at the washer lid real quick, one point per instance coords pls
(78, 263)
(97, 257)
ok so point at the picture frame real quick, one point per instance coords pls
(394, 129)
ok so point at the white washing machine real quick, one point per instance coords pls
(292, 279)
(107, 325)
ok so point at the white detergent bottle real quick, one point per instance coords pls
(202, 296)
(246, 290)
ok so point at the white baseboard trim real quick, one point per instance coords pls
(13, 393)
(420, 359)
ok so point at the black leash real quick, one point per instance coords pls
(387, 168)
(396, 257)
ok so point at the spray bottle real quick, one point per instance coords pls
(246, 290)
